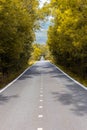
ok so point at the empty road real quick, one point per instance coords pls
(43, 98)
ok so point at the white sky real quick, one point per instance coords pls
(43, 1)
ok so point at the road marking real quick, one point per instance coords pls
(40, 116)
(41, 100)
(81, 85)
(41, 95)
(40, 107)
(41, 88)
(39, 128)
(12, 82)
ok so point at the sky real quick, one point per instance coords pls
(41, 35)
(43, 1)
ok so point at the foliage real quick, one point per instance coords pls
(36, 52)
(18, 22)
(39, 50)
(67, 37)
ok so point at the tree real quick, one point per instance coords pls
(40, 50)
(67, 37)
(18, 21)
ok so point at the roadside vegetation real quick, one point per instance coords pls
(39, 50)
(18, 21)
(73, 75)
(67, 36)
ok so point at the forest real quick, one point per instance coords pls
(18, 22)
(67, 35)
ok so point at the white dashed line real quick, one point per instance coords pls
(40, 107)
(39, 128)
(41, 95)
(41, 100)
(40, 116)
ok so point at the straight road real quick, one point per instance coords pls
(44, 98)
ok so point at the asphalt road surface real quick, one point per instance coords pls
(43, 99)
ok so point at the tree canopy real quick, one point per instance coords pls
(18, 22)
(39, 50)
(67, 37)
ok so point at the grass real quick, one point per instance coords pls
(10, 77)
(74, 76)
(7, 79)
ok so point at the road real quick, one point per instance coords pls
(43, 99)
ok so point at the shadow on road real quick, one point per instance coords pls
(5, 99)
(72, 95)
(34, 71)
(76, 98)
(38, 69)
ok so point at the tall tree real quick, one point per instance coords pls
(18, 21)
(67, 37)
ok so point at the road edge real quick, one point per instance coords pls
(12, 82)
(81, 85)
